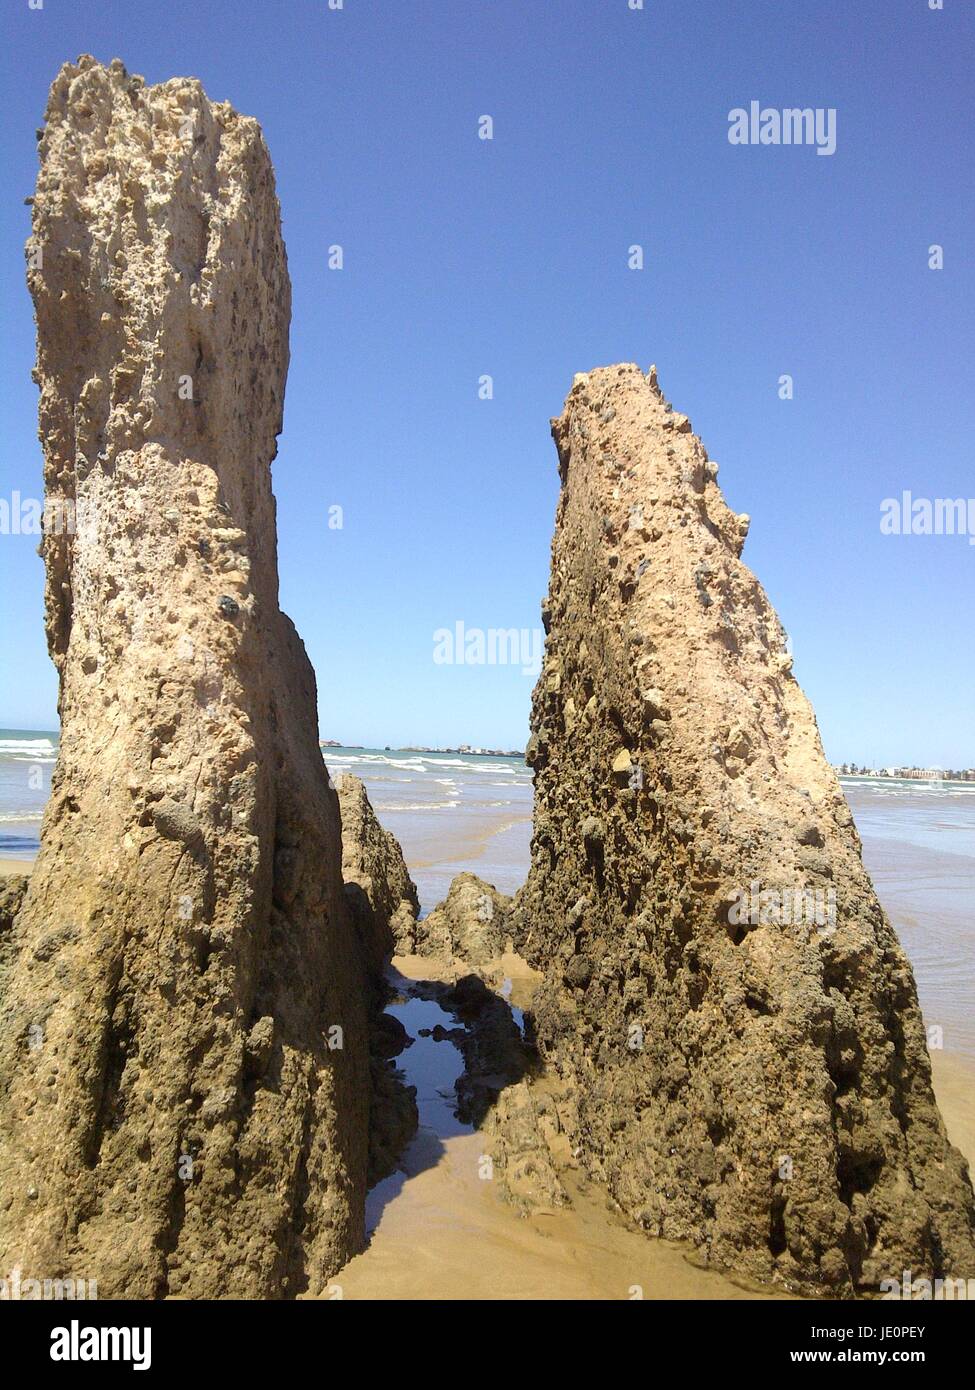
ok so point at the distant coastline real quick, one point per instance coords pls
(464, 748)
(906, 774)
(467, 749)
(894, 774)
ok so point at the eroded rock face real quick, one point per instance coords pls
(531, 1150)
(383, 905)
(753, 1081)
(183, 1051)
(381, 893)
(12, 892)
(471, 925)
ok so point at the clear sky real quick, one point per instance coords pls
(508, 257)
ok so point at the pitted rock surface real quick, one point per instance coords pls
(753, 1081)
(183, 1051)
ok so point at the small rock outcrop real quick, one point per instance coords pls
(723, 992)
(383, 905)
(530, 1148)
(13, 889)
(471, 925)
(381, 894)
(184, 1069)
(393, 1113)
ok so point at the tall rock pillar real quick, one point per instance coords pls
(723, 992)
(184, 1097)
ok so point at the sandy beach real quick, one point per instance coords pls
(11, 867)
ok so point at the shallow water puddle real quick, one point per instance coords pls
(433, 1067)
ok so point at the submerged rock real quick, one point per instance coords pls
(495, 1053)
(723, 995)
(184, 1054)
(393, 1116)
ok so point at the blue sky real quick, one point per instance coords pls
(508, 257)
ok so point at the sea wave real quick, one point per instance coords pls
(425, 762)
(455, 762)
(417, 806)
(372, 760)
(340, 770)
(907, 787)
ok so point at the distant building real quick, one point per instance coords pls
(912, 774)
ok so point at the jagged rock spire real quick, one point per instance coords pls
(722, 988)
(185, 1074)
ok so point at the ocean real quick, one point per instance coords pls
(919, 847)
(454, 811)
(449, 811)
(26, 762)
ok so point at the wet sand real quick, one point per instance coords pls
(441, 1230)
(449, 1236)
(11, 867)
(953, 1074)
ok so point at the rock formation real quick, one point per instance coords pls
(383, 905)
(722, 989)
(470, 925)
(393, 1113)
(530, 1147)
(12, 891)
(381, 893)
(185, 1085)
